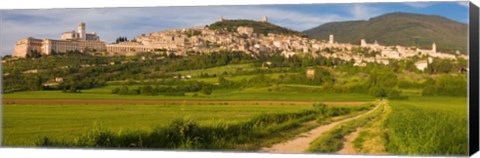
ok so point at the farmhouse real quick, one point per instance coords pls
(310, 73)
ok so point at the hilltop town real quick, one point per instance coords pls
(203, 39)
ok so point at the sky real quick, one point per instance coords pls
(110, 23)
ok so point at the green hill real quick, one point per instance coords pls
(398, 28)
(259, 27)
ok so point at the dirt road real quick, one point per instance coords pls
(302, 142)
(179, 102)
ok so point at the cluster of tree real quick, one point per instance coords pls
(446, 85)
(446, 66)
(121, 39)
(366, 52)
(110, 68)
(276, 60)
(320, 77)
(76, 83)
(177, 90)
(15, 82)
(34, 54)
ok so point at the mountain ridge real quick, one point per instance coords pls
(398, 28)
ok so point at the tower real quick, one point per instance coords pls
(264, 19)
(363, 43)
(434, 47)
(330, 39)
(81, 31)
(221, 18)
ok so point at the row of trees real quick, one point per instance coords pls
(178, 90)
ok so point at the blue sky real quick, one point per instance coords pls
(110, 23)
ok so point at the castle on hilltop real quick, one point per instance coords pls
(70, 41)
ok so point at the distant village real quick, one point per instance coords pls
(204, 40)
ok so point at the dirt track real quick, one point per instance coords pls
(180, 102)
(302, 142)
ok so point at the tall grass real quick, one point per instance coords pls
(436, 126)
(188, 134)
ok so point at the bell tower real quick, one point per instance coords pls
(81, 31)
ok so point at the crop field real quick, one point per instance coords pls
(428, 125)
(25, 123)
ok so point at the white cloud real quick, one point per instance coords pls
(463, 3)
(419, 4)
(363, 12)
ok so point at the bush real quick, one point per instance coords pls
(377, 92)
(207, 90)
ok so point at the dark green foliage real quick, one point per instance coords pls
(258, 27)
(166, 87)
(88, 71)
(446, 85)
(121, 39)
(441, 66)
(406, 29)
(207, 90)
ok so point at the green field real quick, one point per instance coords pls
(25, 124)
(428, 125)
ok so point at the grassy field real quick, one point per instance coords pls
(26, 125)
(428, 125)
(23, 124)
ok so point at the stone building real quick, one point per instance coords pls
(310, 73)
(70, 41)
(264, 19)
(363, 43)
(128, 48)
(330, 39)
(245, 30)
(422, 65)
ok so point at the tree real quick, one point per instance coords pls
(121, 39)
(36, 83)
(147, 90)
(207, 90)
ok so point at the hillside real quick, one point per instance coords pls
(259, 27)
(399, 29)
